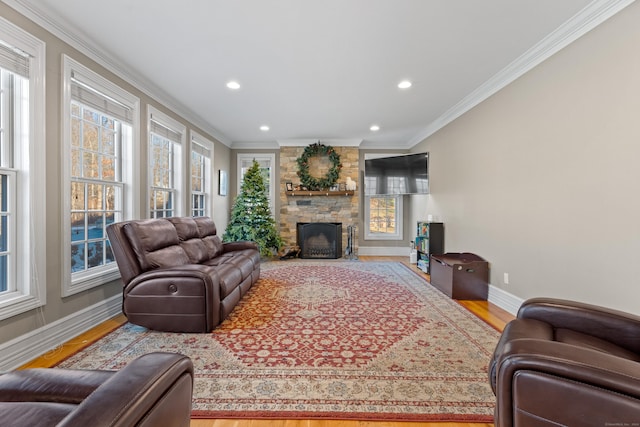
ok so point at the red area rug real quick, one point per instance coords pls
(329, 339)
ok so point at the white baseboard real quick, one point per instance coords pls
(504, 300)
(384, 250)
(27, 347)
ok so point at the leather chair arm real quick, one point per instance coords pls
(50, 385)
(172, 275)
(611, 325)
(155, 389)
(238, 246)
(579, 364)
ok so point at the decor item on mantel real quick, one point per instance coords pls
(313, 183)
(350, 184)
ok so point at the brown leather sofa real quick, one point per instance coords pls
(178, 275)
(567, 363)
(154, 390)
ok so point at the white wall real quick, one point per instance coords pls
(543, 178)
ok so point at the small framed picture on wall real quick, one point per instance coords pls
(222, 182)
(289, 186)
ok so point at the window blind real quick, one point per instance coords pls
(200, 149)
(164, 131)
(14, 60)
(92, 97)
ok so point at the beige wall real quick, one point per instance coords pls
(58, 307)
(543, 178)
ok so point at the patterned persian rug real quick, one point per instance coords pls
(329, 339)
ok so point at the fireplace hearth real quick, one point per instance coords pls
(321, 240)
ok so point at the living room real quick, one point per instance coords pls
(538, 177)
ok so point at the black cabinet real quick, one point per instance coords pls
(429, 241)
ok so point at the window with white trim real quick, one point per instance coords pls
(201, 175)
(22, 171)
(166, 138)
(383, 217)
(98, 138)
(383, 213)
(267, 164)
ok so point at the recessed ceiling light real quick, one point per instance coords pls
(264, 128)
(375, 128)
(405, 84)
(233, 85)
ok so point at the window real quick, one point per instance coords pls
(22, 172)
(165, 159)
(267, 164)
(383, 216)
(98, 140)
(201, 175)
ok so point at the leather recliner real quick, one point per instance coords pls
(567, 363)
(154, 390)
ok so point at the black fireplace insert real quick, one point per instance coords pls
(320, 239)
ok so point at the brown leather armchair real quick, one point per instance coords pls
(154, 390)
(567, 363)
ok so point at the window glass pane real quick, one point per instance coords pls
(108, 142)
(77, 227)
(75, 132)
(110, 193)
(77, 196)
(90, 136)
(109, 168)
(95, 254)
(4, 286)
(90, 165)
(76, 164)
(94, 197)
(3, 233)
(95, 226)
(77, 257)
(108, 253)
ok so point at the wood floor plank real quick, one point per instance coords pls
(490, 313)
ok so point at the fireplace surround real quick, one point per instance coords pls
(321, 240)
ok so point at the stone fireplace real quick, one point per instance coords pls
(325, 208)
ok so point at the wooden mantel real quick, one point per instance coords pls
(307, 193)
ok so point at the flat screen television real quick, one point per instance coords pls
(406, 174)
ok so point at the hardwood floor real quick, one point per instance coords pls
(491, 314)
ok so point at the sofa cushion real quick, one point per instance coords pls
(214, 246)
(155, 243)
(190, 240)
(208, 233)
(230, 278)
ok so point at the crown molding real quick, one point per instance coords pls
(55, 27)
(587, 19)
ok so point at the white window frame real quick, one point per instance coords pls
(271, 159)
(371, 235)
(178, 165)
(208, 178)
(73, 283)
(27, 290)
(368, 233)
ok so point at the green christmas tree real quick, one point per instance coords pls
(251, 216)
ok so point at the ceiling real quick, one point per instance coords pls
(316, 70)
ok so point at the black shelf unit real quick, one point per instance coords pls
(429, 240)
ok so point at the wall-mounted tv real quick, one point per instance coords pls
(406, 174)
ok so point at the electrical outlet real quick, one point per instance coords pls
(505, 279)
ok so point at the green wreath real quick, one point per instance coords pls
(332, 175)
